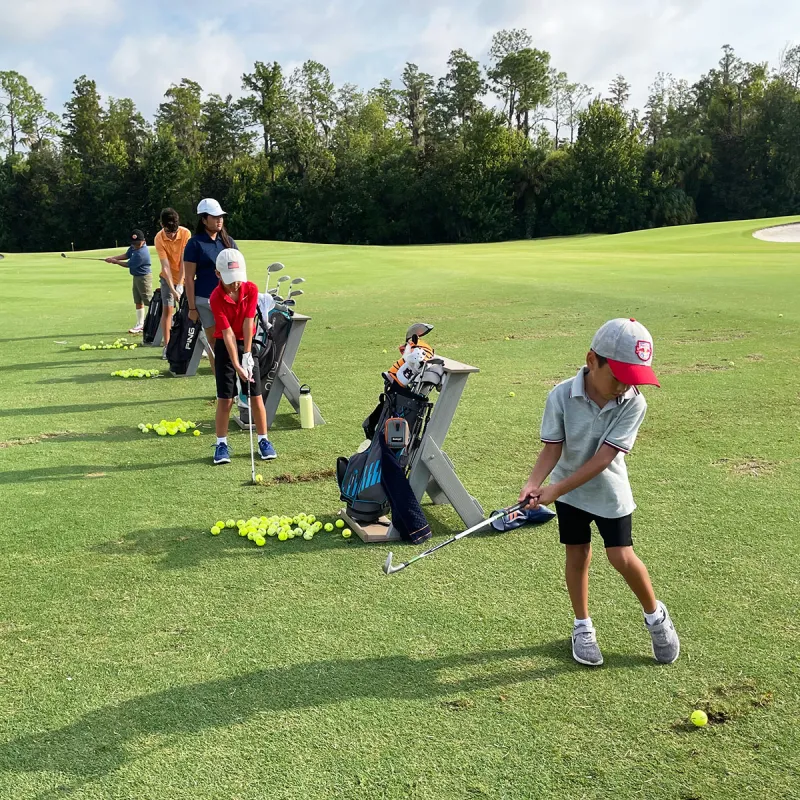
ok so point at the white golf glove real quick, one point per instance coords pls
(247, 364)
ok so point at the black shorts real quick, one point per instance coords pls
(574, 527)
(227, 387)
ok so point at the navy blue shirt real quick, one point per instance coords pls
(138, 260)
(202, 250)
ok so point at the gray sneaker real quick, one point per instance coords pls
(584, 646)
(666, 645)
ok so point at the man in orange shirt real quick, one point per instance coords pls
(170, 242)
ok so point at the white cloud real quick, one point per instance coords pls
(144, 67)
(37, 19)
(41, 80)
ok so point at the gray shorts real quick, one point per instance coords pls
(142, 289)
(203, 306)
(166, 295)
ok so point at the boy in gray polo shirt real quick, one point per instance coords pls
(590, 422)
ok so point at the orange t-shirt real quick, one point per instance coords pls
(172, 250)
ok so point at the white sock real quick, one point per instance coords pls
(656, 616)
(140, 314)
(263, 437)
(583, 622)
(222, 440)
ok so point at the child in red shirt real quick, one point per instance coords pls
(233, 304)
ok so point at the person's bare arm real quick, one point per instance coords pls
(190, 268)
(591, 469)
(545, 464)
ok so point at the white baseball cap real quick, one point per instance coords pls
(210, 206)
(628, 347)
(231, 266)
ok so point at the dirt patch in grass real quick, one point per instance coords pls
(754, 357)
(721, 336)
(459, 704)
(701, 366)
(728, 702)
(747, 467)
(34, 439)
(303, 477)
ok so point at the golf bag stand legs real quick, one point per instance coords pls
(432, 471)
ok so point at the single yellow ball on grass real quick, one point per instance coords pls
(699, 718)
(512, 394)
(259, 479)
(329, 526)
(196, 433)
(230, 523)
(347, 533)
(283, 536)
(339, 523)
(260, 541)
(215, 531)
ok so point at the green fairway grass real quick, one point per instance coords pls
(141, 657)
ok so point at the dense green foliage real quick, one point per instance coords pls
(142, 658)
(506, 150)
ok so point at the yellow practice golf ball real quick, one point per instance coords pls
(259, 479)
(215, 531)
(347, 533)
(328, 526)
(260, 541)
(699, 718)
(283, 536)
(230, 523)
(339, 523)
(512, 394)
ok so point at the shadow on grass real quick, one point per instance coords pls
(35, 365)
(92, 377)
(55, 336)
(78, 472)
(87, 408)
(102, 741)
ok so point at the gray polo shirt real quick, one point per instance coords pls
(583, 427)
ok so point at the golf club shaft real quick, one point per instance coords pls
(250, 426)
(82, 258)
(473, 529)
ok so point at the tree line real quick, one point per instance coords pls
(507, 150)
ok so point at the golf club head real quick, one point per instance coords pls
(273, 292)
(296, 281)
(290, 302)
(389, 568)
(418, 329)
(275, 266)
(283, 279)
(63, 255)
(278, 298)
(296, 293)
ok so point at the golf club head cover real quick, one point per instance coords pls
(407, 514)
(516, 519)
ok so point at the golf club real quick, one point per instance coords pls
(276, 266)
(250, 426)
(390, 568)
(290, 303)
(418, 329)
(296, 281)
(296, 293)
(272, 291)
(1, 256)
(82, 258)
(282, 279)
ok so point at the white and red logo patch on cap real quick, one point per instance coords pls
(644, 350)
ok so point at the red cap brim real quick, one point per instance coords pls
(633, 374)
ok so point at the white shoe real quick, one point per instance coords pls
(136, 329)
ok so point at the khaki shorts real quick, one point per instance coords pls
(166, 295)
(203, 306)
(142, 289)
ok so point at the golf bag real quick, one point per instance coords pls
(153, 318)
(269, 343)
(183, 338)
(360, 476)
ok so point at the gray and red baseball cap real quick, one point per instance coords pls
(628, 347)
(231, 266)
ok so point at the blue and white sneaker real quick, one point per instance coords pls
(266, 449)
(222, 454)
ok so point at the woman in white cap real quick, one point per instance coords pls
(200, 262)
(233, 304)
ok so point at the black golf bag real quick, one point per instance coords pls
(359, 477)
(153, 318)
(269, 343)
(184, 336)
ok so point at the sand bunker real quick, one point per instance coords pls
(780, 233)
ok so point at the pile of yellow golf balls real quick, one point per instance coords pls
(281, 527)
(117, 344)
(136, 373)
(169, 428)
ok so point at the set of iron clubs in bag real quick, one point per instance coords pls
(289, 301)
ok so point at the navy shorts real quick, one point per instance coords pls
(575, 527)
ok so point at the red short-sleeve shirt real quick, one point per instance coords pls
(232, 314)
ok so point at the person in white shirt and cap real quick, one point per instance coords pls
(590, 423)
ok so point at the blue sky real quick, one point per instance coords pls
(138, 49)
